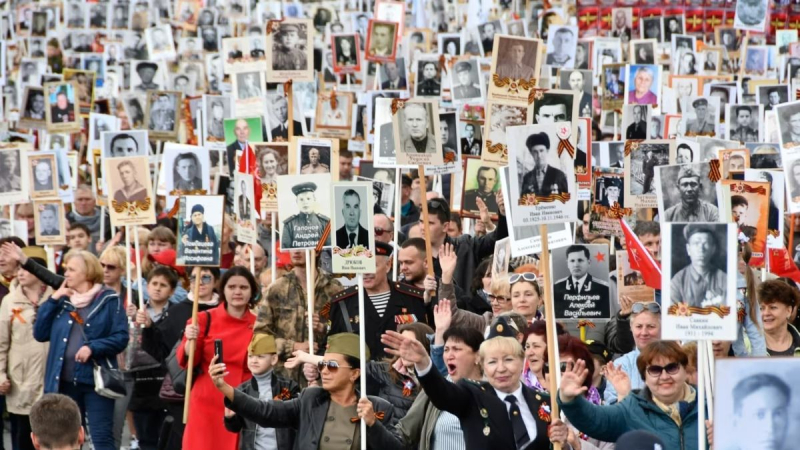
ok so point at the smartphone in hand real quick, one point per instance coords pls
(218, 350)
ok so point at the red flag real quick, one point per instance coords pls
(640, 259)
(782, 265)
(247, 164)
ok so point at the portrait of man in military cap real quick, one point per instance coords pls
(686, 194)
(543, 179)
(305, 209)
(609, 191)
(699, 257)
(702, 117)
(146, 72)
(288, 50)
(466, 81)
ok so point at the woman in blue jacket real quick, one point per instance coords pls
(666, 407)
(83, 302)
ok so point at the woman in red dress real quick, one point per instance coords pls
(232, 322)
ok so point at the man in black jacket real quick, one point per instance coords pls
(261, 357)
(318, 414)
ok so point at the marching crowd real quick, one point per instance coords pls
(457, 360)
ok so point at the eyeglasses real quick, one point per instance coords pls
(495, 298)
(653, 307)
(332, 366)
(109, 266)
(205, 279)
(379, 231)
(527, 276)
(671, 369)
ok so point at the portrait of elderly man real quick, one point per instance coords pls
(577, 83)
(701, 283)
(543, 179)
(287, 51)
(132, 190)
(692, 207)
(315, 164)
(703, 124)
(743, 130)
(643, 81)
(352, 233)
(503, 116)
(416, 136)
(186, 174)
(513, 64)
(562, 48)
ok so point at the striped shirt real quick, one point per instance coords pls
(447, 433)
(381, 301)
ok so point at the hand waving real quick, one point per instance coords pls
(619, 379)
(572, 381)
(442, 315)
(448, 260)
(407, 348)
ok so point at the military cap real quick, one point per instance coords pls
(597, 348)
(304, 187)
(345, 344)
(502, 326)
(36, 253)
(463, 67)
(198, 208)
(700, 102)
(262, 344)
(694, 228)
(286, 27)
(382, 248)
(145, 65)
(612, 182)
(537, 139)
(687, 171)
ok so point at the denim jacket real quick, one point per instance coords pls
(106, 329)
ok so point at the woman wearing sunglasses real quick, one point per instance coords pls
(645, 321)
(232, 323)
(666, 406)
(324, 417)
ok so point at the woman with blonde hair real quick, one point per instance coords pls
(86, 325)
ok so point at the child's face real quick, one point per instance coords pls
(158, 289)
(261, 364)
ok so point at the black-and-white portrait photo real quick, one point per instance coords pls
(579, 82)
(416, 129)
(516, 59)
(43, 175)
(471, 138)
(146, 73)
(215, 109)
(34, 105)
(543, 178)
(744, 123)
(701, 117)
(486, 33)
(190, 169)
(643, 51)
(347, 57)
(290, 48)
(640, 184)
(699, 252)
(555, 106)
(672, 25)
(125, 143)
(248, 85)
(580, 289)
(686, 194)
(710, 147)
(10, 171)
(450, 44)
(314, 156)
(49, 221)
(635, 119)
(354, 241)
(466, 82)
(305, 209)
(789, 124)
(609, 190)
(429, 78)
(561, 46)
(393, 75)
(751, 15)
(651, 28)
(162, 113)
(772, 95)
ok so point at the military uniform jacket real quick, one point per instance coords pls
(468, 91)
(303, 231)
(483, 415)
(429, 87)
(566, 292)
(406, 305)
(307, 414)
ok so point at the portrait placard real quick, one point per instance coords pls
(692, 310)
(686, 194)
(271, 162)
(382, 195)
(417, 136)
(480, 181)
(216, 108)
(384, 141)
(43, 175)
(451, 151)
(583, 157)
(290, 50)
(163, 114)
(61, 107)
(50, 222)
(609, 195)
(630, 282)
(644, 85)
(580, 282)
(160, 45)
(13, 176)
(200, 222)
(640, 188)
(305, 209)
(429, 77)
(248, 93)
(580, 82)
(353, 236)
(751, 15)
(501, 115)
(244, 54)
(501, 258)
(187, 171)
(85, 81)
(613, 81)
(381, 45)
(556, 106)
(238, 135)
(744, 123)
(516, 63)
(775, 216)
(334, 115)
(734, 161)
(789, 124)
(98, 124)
(551, 196)
(33, 113)
(130, 191)
(246, 214)
(316, 156)
(116, 144)
(467, 82)
(747, 204)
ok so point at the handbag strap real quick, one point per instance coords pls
(76, 316)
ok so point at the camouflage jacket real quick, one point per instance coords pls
(283, 313)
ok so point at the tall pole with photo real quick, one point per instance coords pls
(426, 226)
(549, 313)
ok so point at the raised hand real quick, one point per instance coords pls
(625, 305)
(448, 260)
(442, 315)
(572, 382)
(405, 347)
(501, 203)
(218, 372)
(12, 251)
(619, 379)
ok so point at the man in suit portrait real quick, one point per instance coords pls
(352, 233)
(394, 80)
(579, 286)
(187, 169)
(638, 128)
(382, 40)
(576, 83)
(612, 188)
(242, 132)
(470, 145)
(281, 108)
(48, 221)
(465, 88)
(245, 206)
(418, 138)
(544, 179)
(617, 150)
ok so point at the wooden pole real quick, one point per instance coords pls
(138, 265)
(550, 317)
(290, 119)
(128, 271)
(192, 347)
(311, 256)
(426, 226)
(398, 212)
(362, 353)
(273, 256)
(102, 226)
(701, 396)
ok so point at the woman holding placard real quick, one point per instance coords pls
(667, 406)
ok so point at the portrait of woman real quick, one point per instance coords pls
(270, 165)
(200, 231)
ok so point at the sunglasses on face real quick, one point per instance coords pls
(671, 369)
(495, 298)
(527, 276)
(332, 366)
(109, 266)
(379, 231)
(205, 279)
(638, 307)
